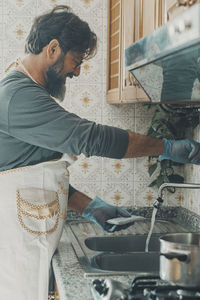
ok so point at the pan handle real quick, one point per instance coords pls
(181, 255)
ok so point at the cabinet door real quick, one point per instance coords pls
(174, 8)
(128, 83)
(113, 51)
(148, 16)
(132, 29)
(128, 21)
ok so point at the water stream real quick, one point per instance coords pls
(151, 228)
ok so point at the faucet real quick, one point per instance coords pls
(157, 204)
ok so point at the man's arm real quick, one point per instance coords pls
(78, 202)
(141, 145)
(97, 211)
(181, 151)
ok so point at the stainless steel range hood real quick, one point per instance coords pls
(167, 62)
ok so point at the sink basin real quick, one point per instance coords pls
(121, 252)
(145, 262)
(127, 243)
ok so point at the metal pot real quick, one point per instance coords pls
(180, 258)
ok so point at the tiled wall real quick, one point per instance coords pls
(191, 198)
(120, 182)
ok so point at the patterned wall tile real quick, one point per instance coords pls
(143, 110)
(192, 198)
(174, 199)
(105, 9)
(142, 124)
(124, 122)
(104, 71)
(19, 7)
(85, 100)
(88, 7)
(144, 196)
(118, 170)
(1, 64)
(118, 193)
(104, 45)
(192, 175)
(87, 169)
(91, 71)
(1, 8)
(1, 30)
(141, 169)
(118, 111)
(10, 55)
(96, 25)
(44, 6)
(16, 31)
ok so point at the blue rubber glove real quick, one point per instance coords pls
(181, 151)
(99, 212)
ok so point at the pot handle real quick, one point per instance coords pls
(181, 255)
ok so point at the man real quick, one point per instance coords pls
(34, 128)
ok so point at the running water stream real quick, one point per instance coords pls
(159, 201)
(151, 228)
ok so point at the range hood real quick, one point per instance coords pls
(166, 63)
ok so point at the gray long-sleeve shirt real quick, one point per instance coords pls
(35, 128)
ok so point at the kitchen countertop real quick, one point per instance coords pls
(69, 275)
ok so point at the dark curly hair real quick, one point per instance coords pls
(61, 24)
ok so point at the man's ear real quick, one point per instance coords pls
(53, 50)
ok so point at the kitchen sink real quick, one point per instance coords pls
(126, 243)
(119, 253)
(145, 262)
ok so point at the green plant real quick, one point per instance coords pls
(171, 125)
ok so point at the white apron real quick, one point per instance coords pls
(33, 208)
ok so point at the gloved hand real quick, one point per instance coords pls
(181, 151)
(99, 212)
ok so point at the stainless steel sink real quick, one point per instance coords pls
(145, 262)
(121, 252)
(126, 243)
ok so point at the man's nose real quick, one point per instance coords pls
(77, 71)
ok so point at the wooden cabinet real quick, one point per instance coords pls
(174, 8)
(129, 21)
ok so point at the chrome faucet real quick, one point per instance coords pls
(157, 204)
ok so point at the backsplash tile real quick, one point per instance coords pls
(115, 170)
(119, 182)
(20, 7)
(192, 175)
(118, 193)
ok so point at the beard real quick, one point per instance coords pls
(55, 81)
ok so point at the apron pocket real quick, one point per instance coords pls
(38, 210)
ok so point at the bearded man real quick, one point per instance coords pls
(34, 130)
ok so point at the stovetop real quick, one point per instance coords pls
(142, 288)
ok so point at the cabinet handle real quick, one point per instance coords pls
(131, 81)
(186, 2)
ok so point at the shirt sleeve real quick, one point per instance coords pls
(72, 190)
(35, 118)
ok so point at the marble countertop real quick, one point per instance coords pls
(69, 275)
